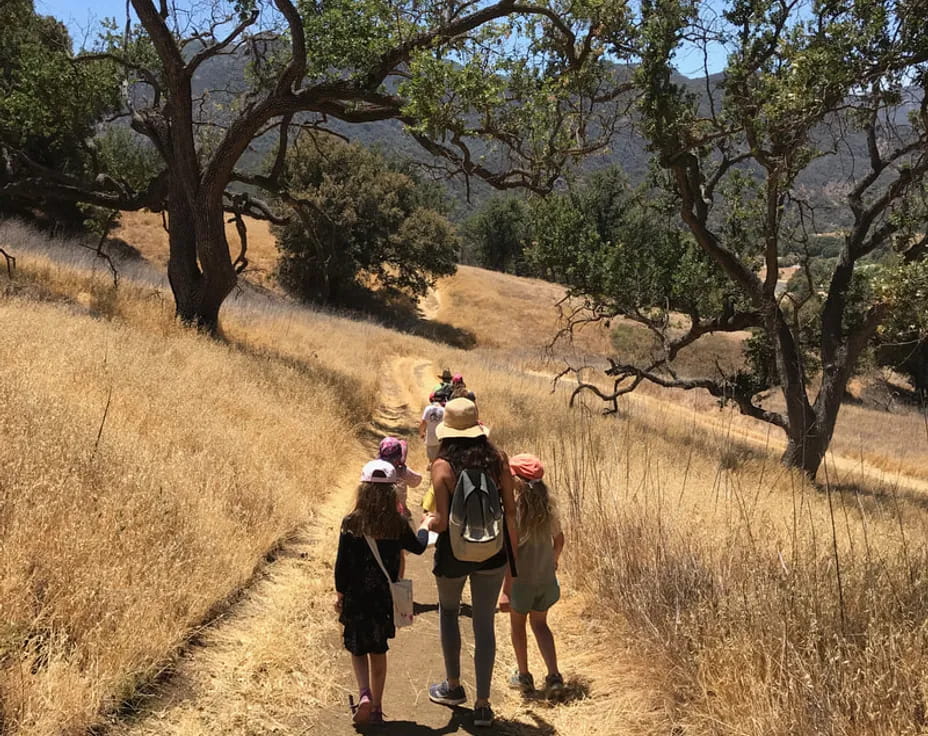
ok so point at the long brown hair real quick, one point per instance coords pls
(466, 453)
(375, 513)
(534, 508)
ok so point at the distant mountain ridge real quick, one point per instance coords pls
(823, 181)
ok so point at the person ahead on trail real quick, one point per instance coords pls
(431, 418)
(528, 597)
(459, 389)
(443, 390)
(394, 451)
(363, 597)
(462, 392)
(474, 515)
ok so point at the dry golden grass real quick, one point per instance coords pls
(114, 548)
(720, 594)
(514, 318)
(726, 567)
(145, 232)
(507, 312)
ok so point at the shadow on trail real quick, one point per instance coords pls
(399, 312)
(428, 607)
(462, 722)
(575, 688)
(882, 500)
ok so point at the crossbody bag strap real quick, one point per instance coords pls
(376, 552)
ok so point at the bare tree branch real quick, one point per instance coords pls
(10, 263)
(208, 52)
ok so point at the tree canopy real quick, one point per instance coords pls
(802, 79)
(508, 92)
(362, 225)
(48, 106)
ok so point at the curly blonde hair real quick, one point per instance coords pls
(535, 506)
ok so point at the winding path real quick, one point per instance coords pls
(275, 664)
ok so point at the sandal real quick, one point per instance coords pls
(361, 713)
(377, 717)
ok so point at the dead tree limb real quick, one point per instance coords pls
(10, 263)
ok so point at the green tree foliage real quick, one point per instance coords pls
(902, 339)
(361, 225)
(49, 106)
(606, 240)
(801, 80)
(504, 91)
(496, 235)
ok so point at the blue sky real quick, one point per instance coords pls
(83, 19)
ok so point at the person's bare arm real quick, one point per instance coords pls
(507, 490)
(422, 426)
(558, 547)
(443, 485)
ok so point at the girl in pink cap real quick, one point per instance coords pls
(394, 451)
(529, 596)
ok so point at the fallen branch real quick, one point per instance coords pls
(100, 253)
(10, 263)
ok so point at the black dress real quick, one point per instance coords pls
(367, 607)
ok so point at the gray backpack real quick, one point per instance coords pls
(475, 526)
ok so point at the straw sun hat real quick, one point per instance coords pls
(461, 420)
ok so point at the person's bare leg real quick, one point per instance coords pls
(362, 672)
(545, 639)
(517, 622)
(378, 678)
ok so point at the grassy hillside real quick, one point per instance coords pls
(147, 472)
(515, 320)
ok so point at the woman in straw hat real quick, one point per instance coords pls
(465, 446)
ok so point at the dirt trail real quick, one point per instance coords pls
(430, 304)
(275, 664)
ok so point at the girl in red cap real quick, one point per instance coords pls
(529, 596)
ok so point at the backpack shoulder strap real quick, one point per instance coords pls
(376, 552)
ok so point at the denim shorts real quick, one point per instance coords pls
(525, 598)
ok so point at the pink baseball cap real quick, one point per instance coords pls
(457, 378)
(378, 471)
(393, 450)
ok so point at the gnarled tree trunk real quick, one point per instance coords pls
(806, 445)
(200, 268)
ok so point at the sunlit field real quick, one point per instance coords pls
(147, 472)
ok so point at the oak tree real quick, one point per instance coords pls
(526, 79)
(802, 81)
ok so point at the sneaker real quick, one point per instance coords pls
(483, 716)
(361, 713)
(525, 683)
(554, 686)
(443, 694)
